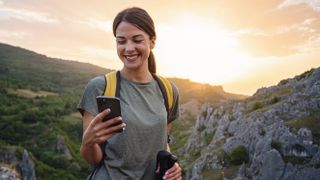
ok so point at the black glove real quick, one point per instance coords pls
(166, 160)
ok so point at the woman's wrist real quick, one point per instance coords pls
(92, 154)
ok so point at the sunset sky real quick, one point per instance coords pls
(240, 44)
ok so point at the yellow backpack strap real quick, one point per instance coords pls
(112, 84)
(167, 92)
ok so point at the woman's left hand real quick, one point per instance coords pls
(174, 173)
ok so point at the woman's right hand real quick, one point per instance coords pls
(98, 131)
(95, 132)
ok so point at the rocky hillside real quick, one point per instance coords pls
(274, 134)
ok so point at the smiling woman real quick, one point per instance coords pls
(145, 114)
(196, 48)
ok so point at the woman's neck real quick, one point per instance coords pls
(140, 76)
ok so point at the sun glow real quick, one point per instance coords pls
(194, 47)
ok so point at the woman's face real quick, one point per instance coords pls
(133, 46)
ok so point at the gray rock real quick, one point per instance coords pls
(272, 166)
(315, 159)
(231, 143)
(308, 173)
(297, 150)
(289, 172)
(254, 167)
(234, 123)
(196, 170)
(313, 149)
(222, 126)
(241, 178)
(62, 148)
(313, 78)
(8, 173)
(263, 145)
(8, 155)
(27, 167)
(242, 172)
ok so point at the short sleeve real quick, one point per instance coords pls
(94, 88)
(175, 112)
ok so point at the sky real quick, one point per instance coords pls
(242, 45)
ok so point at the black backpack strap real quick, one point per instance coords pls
(118, 84)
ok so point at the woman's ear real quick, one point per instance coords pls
(152, 42)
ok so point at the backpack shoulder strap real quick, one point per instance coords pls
(113, 88)
(112, 84)
(166, 90)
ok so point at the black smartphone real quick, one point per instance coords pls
(113, 103)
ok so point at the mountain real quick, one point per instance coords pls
(40, 129)
(202, 92)
(274, 134)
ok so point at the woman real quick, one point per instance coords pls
(132, 153)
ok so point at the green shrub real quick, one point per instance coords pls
(239, 155)
(305, 74)
(256, 105)
(29, 116)
(275, 100)
(283, 82)
(224, 158)
(43, 171)
(224, 173)
(201, 128)
(296, 160)
(208, 137)
(204, 113)
(60, 161)
(195, 152)
(276, 145)
(74, 167)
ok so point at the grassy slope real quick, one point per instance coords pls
(38, 94)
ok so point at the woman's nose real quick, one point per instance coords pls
(130, 46)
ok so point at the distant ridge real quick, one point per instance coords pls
(28, 65)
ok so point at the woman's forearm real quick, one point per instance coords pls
(90, 152)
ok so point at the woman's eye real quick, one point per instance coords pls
(121, 41)
(138, 40)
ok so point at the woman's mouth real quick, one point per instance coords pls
(132, 57)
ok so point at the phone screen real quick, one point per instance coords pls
(113, 103)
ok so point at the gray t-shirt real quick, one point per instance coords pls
(132, 153)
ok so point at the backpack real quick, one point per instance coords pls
(113, 89)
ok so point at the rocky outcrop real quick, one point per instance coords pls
(260, 124)
(315, 159)
(272, 166)
(7, 173)
(27, 167)
(8, 155)
(16, 163)
(62, 148)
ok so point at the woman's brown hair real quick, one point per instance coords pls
(143, 21)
